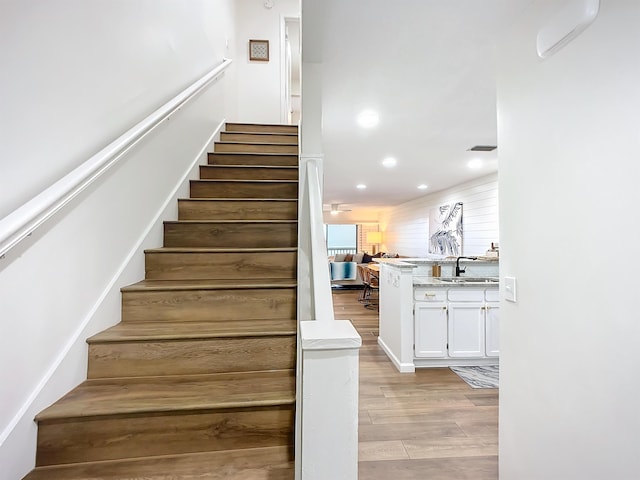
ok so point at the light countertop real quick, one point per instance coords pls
(429, 261)
(437, 282)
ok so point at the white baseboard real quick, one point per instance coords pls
(402, 367)
(454, 362)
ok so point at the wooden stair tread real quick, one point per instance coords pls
(288, 134)
(253, 157)
(236, 199)
(219, 250)
(273, 463)
(235, 208)
(209, 284)
(136, 395)
(231, 126)
(240, 180)
(236, 142)
(265, 154)
(168, 330)
(247, 146)
(251, 167)
(264, 222)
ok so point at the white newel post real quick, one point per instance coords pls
(330, 397)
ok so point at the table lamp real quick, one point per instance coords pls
(375, 239)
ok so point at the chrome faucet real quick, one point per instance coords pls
(462, 270)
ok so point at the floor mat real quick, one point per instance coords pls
(486, 376)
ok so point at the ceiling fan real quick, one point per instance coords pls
(335, 208)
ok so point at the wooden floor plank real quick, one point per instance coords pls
(450, 447)
(458, 468)
(382, 450)
(427, 424)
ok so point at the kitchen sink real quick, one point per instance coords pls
(467, 280)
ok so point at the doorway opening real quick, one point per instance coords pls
(291, 62)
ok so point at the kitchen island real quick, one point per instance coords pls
(428, 321)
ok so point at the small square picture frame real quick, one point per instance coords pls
(259, 50)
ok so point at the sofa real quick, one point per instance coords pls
(349, 275)
(343, 269)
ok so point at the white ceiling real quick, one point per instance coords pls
(427, 67)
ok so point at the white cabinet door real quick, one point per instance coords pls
(492, 320)
(430, 330)
(466, 329)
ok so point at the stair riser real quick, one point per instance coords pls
(228, 265)
(252, 159)
(250, 127)
(276, 462)
(225, 189)
(236, 210)
(258, 137)
(255, 147)
(239, 235)
(208, 305)
(243, 173)
(190, 357)
(106, 438)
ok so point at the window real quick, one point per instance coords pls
(341, 238)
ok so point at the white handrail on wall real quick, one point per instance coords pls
(24, 220)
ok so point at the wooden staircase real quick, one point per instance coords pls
(198, 379)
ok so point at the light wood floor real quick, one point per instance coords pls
(415, 426)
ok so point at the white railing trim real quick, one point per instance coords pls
(22, 222)
(336, 335)
(323, 302)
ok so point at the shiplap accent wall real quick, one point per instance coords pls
(406, 227)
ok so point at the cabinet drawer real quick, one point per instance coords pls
(492, 295)
(425, 294)
(465, 294)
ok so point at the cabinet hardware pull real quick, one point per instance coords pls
(428, 294)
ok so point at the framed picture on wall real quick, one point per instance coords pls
(445, 229)
(259, 50)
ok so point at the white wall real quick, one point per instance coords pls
(105, 66)
(406, 227)
(259, 83)
(569, 175)
(76, 75)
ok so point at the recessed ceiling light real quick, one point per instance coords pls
(368, 119)
(361, 186)
(423, 186)
(389, 162)
(335, 212)
(475, 163)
